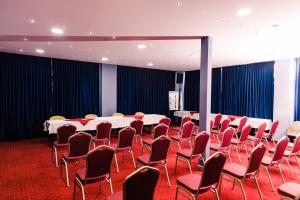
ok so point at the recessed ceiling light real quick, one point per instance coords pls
(25, 39)
(178, 3)
(49, 43)
(243, 12)
(21, 50)
(150, 64)
(91, 33)
(57, 31)
(141, 46)
(32, 21)
(40, 51)
(104, 59)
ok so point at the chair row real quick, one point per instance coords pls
(93, 116)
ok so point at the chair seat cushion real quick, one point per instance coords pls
(67, 157)
(81, 175)
(267, 160)
(190, 182)
(95, 139)
(290, 190)
(55, 143)
(251, 138)
(286, 152)
(216, 132)
(176, 129)
(235, 141)
(235, 170)
(186, 153)
(176, 137)
(147, 141)
(115, 196)
(266, 135)
(214, 146)
(144, 159)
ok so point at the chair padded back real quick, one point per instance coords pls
(79, 144)
(187, 129)
(118, 115)
(141, 184)
(213, 167)
(245, 132)
(256, 157)
(200, 143)
(159, 130)
(139, 114)
(57, 117)
(274, 127)
(126, 137)
(217, 120)
(98, 162)
(184, 120)
(211, 124)
(91, 116)
(243, 122)
(138, 126)
(165, 121)
(261, 130)
(296, 147)
(103, 130)
(64, 133)
(224, 125)
(227, 136)
(159, 149)
(280, 148)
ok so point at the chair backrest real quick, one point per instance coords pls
(79, 144)
(227, 136)
(139, 114)
(217, 120)
(64, 132)
(184, 120)
(187, 129)
(118, 115)
(280, 148)
(138, 126)
(201, 140)
(57, 117)
(103, 130)
(91, 116)
(159, 149)
(245, 132)
(141, 184)
(125, 137)
(160, 129)
(261, 130)
(274, 127)
(256, 157)
(165, 121)
(224, 125)
(211, 124)
(296, 147)
(213, 167)
(98, 162)
(243, 122)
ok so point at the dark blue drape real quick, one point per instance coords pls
(144, 90)
(75, 88)
(25, 86)
(191, 90)
(297, 91)
(216, 90)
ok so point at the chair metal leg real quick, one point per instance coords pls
(297, 161)
(142, 149)
(246, 148)
(267, 143)
(82, 191)
(55, 154)
(67, 173)
(220, 183)
(116, 160)
(287, 160)
(244, 194)
(74, 191)
(100, 186)
(237, 151)
(176, 194)
(228, 153)
(190, 142)
(269, 177)
(167, 174)
(259, 191)
(130, 151)
(94, 143)
(178, 143)
(233, 183)
(218, 139)
(110, 185)
(217, 194)
(189, 164)
(281, 173)
(176, 164)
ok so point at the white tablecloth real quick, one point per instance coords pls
(195, 116)
(117, 122)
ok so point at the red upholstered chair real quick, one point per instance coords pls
(166, 121)
(271, 133)
(241, 125)
(219, 132)
(79, 145)
(275, 159)
(125, 140)
(183, 121)
(98, 168)
(159, 130)
(258, 135)
(158, 154)
(217, 121)
(199, 147)
(185, 134)
(195, 184)
(63, 134)
(237, 142)
(242, 173)
(225, 144)
(140, 184)
(103, 133)
(290, 191)
(138, 126)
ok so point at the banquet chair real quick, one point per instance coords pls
(138, 126)
(219, 132)
(166, 121)
(57, 117)
(237, 142)
(90, 116)
(276, 158)
(103, 133)
(242, 173)
(258, 135)
(79, 144)
(289, 190)
(158, 154)
(183, 121)
(271, 133)
(139, 114)
(159, 130)
(63, 134)
(198, 149)
(195, 184)
(98, 168)
(185, 134)
(118, 115)
(241, 125)
(217, 121)
(125, 139)
(225, 145)
(140, 184)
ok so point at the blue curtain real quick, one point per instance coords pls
(216, 90)
(25, 95)
(144, 90)
(297, 91)
(191, 90)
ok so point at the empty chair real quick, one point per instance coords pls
(241, 125)
(195, 184)
(217, 121)
(183, 121)
(166, 121)
(124, 143)
(237, 142)
(118, 115)
(219, 132)
(225, 144)
(159, 130)
(91, 116)
(289, 190)
(98, 168)
(57, 117)
(185, 134)
(138, 126)
(271, 133)
(275, 159)
(198, 149)
(140, 184)
(63, 134)
(258, 135)
(79, 144)
(103, 133)
(241, 173)
(158, 154)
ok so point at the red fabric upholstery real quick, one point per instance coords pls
(186, 153)
(81, 175)
(64, 133)
(290, 190)
(79, 144)
(166, 121)
(144, 159)
(103, 131)
(160, 130)
(115, 196)
(243, 122)
(190, 182)
(138, 126)
(214, 146)
(217, 120)
(187, 129)
(175, 137)
(125, 137)
(147, 141)
(184, 120)
(200, 143)
(245, 133)
(235, 170)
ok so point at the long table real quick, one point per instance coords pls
(90, 124)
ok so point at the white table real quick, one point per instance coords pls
(195, 116)
(117, 122)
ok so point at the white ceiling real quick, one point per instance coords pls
(236, 40)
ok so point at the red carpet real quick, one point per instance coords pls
(28, 172)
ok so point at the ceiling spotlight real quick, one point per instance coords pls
(104, 59)
(57, 31)
(178, 3)
(243, 12)
(49, 43)
(150, 64)
(91, 33)
(32, 21)
(21, 50)
(141, 46)
(40, 51)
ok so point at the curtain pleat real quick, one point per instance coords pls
(191, 90)
(297, 91)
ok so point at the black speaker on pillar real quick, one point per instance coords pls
(179, 78)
